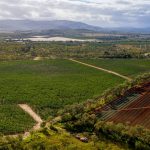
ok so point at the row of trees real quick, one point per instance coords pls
(28, 50)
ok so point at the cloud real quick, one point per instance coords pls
(96, 12)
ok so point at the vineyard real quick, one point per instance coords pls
(132, 109)
(47, 86)
(138, 112)
(13, 119)
(127, 67)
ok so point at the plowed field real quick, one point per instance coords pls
(136, 113)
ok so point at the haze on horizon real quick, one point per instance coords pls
(103, 13)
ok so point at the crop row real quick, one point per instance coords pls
(122, 102)
(140, 116)
(129, 97)
(47, 86)
(14, 120)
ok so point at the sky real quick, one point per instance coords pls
(103, 13)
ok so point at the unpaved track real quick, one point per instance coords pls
(99, 68)
(35, 116)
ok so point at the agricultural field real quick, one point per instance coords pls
(136, 113)
(127, 67)
(48, 86)
(14, 120)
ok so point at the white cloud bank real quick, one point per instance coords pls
(105, 13)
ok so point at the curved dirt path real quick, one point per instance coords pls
(35, 116)
(99, 68)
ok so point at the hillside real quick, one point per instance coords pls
(23, 25)
(61, 25)
(81, 128)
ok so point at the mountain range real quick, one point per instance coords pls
(31, 25)
(24, 25)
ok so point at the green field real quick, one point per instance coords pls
(127, 67)
(49, 85)
(14, 120)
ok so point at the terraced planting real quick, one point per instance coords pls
(133, 108)
(48, 86)
(127, 67)
(110, 109)
(138, 112)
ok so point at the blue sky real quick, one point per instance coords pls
(104, 13)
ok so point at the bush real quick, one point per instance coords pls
(131, 136)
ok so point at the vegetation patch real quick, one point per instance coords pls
(52, 140)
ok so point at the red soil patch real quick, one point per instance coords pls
(132, 114)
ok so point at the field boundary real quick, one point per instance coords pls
(102, 69)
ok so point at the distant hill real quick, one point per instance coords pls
(130, 30)
(24, 25)
(61, 25)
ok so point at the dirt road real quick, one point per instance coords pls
(102, 69)
(35, 116)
